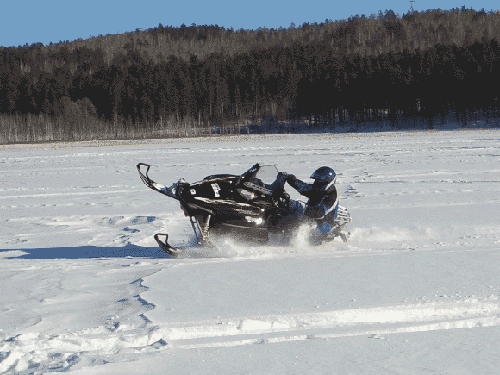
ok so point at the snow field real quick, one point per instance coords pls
(85, 288)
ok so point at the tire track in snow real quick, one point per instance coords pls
(371, 322)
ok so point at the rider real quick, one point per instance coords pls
(322, 205)
(323, 202)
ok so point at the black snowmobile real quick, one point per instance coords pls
(239, 205)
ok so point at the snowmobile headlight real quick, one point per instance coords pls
(256, 220)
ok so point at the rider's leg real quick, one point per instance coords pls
(297, 209)
(282, 228)
(324, 227)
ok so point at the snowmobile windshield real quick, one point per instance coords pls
(265, 173)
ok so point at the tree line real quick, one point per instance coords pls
(421, 68)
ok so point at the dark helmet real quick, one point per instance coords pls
(324, 174)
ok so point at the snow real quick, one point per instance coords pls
(85, 289)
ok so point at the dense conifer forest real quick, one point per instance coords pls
(418, 70)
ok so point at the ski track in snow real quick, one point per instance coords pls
(469, 313)
(433, 193)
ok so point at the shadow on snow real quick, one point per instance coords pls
(85, 252)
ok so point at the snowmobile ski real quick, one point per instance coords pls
(165, 245)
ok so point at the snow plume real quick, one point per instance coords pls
(277, 245)
(377, 234)
(227, 246)
(221, 247)
(419, 237)
(300, 238)
(232, 247)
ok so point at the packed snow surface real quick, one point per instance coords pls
(85, 289)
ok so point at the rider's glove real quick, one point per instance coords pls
(283, 175)
(291, 178)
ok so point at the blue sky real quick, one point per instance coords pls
(32, 21)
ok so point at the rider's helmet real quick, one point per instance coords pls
(323, 175)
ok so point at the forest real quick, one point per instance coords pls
(412, 71)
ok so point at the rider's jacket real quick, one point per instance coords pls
(323, 200)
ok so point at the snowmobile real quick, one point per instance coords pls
(239, 205)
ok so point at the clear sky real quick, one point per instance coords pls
(31, 21)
